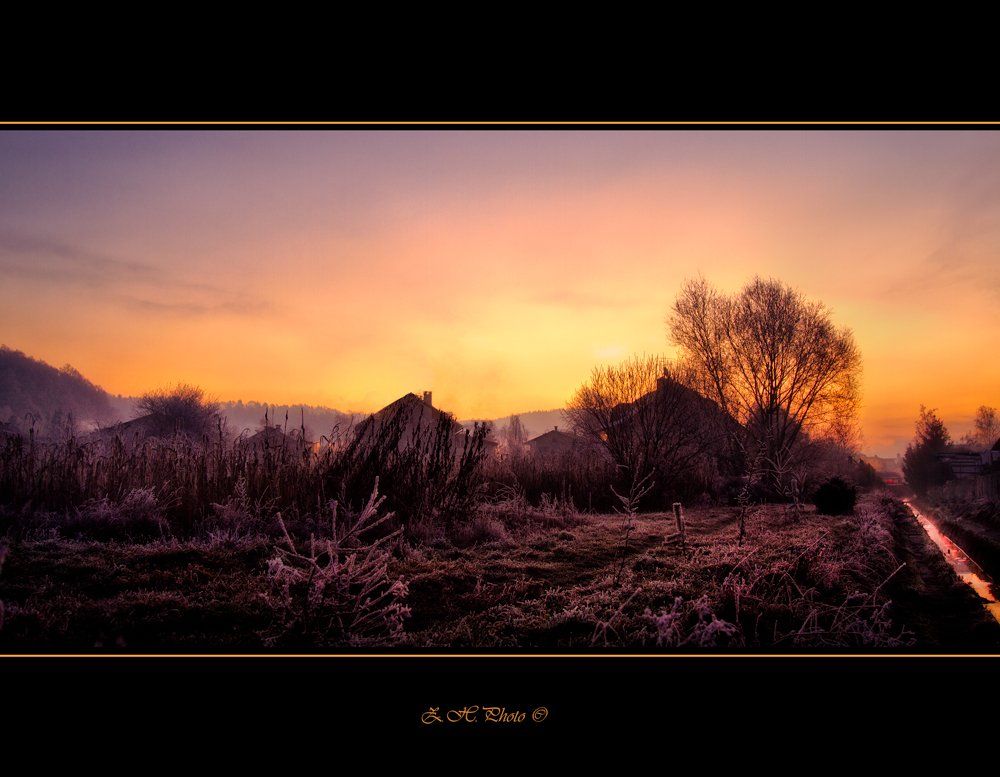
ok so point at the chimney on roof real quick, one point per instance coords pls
(427, 399)
(555, 428)
(661, 382)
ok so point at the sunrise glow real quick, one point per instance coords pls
(495, 268)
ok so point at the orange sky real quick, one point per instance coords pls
(496, 268)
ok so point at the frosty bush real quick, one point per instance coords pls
(693, 623)
(480, 530)
(338, 590)
(136, 516)
(238, 516)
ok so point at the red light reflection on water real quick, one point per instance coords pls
(967, 569)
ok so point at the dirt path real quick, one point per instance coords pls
(931, 599)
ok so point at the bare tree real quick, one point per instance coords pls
(513, 436)
(645, 413)
(776, 363)
(182, 409)
(985, 428)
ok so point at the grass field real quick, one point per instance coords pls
(871, 581)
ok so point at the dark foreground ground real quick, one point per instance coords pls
(870, 582)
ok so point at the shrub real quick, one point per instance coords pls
(183, 409)
(583, 480)
(835, 497)
(135, 517)
(238, 516)
(431, 480)
(512, 510)
(480, 530)
(692, 623)
(338, 591)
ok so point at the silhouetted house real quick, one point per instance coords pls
(147, 427)
(135, 430)
(274, 438)
(969, 463)
(410, 413)
(416, 421)
(554, 443)
(963, 464)
(679, 401)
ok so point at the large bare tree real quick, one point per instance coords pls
(776, 363)
(646, 414)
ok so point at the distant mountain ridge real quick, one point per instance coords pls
(32, 390)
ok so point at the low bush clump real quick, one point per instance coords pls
(136, 517)
(835, 497)
(479, 531)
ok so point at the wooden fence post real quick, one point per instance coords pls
(679, 517)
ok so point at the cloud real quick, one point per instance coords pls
(239, 305)
(966, 256)
(134, 283)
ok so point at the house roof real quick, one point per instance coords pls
(416, 411)
(274, 437)
(142, 427)
(557, 442)
(555, 437)
(412, 413)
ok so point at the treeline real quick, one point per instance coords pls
(318, 420)
(924, 464)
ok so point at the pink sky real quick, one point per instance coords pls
(495, 268)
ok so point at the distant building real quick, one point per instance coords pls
(556, 443)
(275, 438)
(965, 464)
(883, 463)
(416, 418)
(135, 430)
(890, 470)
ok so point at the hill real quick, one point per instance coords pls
(54, 400)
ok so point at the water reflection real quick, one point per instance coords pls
(964, 567)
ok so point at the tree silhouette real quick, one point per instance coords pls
(921, 466)
(776, 363)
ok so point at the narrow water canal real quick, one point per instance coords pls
(967, 569)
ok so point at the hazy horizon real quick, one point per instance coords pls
(345, 269)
